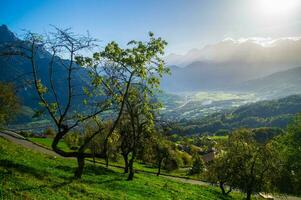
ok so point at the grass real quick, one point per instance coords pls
(219, 138)
(46, 142)
(181, 172)
(25, 174)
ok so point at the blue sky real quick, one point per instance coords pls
(185, 24)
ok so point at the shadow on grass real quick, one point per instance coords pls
(88, 170)
(9, 165)
(55, 186)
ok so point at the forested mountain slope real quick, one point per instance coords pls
(269, 113)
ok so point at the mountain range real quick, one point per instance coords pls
(18, 70)
(267, 68)
(229, 63)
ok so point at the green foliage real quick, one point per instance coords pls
(9, 103)
(198, 165)
(289, 146)
(273, 113)
(245, 164)
(186, 158)
(73, 140)
(173, 161)
(265, 134)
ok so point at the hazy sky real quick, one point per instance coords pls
(185, 24)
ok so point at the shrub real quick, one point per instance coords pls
(49, 132)
(198, 165)
(72, 140)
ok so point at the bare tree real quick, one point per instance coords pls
(63, 109)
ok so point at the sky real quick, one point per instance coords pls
(184, 24)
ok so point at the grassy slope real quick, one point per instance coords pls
(182, 172)
(46, 142)
(25, 174)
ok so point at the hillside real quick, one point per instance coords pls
(25, 174)
(228, 63)
(279, 84)
(270, 113)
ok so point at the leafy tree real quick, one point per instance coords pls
(135, 73)
(125, 141)
(198, 165)
(289, 146)
(245, 164)
(163, 152)
(141, 116)
(9, 102)
(111, 74)
(73, 140)
(186, 158)
(220, 172)
(173, 162)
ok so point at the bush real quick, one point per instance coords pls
(72, 140)
(186, 158)
(198, 165)
(26, 134)
(49, 133)
(173, 162)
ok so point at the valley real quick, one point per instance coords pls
(94, 105)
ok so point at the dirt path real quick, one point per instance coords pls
(191, 181)
(17, 139)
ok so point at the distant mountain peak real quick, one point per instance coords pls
(6, 35)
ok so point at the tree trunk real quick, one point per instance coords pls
(230, 190)
(126, 163)
(249, 193)
(107, 161)
(131, 167)
(221, 186)
(80, 168)
(159, 167)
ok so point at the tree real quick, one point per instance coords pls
(220, 172)
(135, 73)
(9, 102)
(59, 99)
(125, 141)
(110, 74)
(289, 146)
(141, 115)
(163, 152)
(245, 164)
(198, 165)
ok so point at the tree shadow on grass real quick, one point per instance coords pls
(88, 170)
(9, 165)
(101, 182)
(54, 186)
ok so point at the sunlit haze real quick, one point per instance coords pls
(184, 24)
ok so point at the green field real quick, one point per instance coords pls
(25, 174)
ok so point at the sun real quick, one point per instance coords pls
(278, 7)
